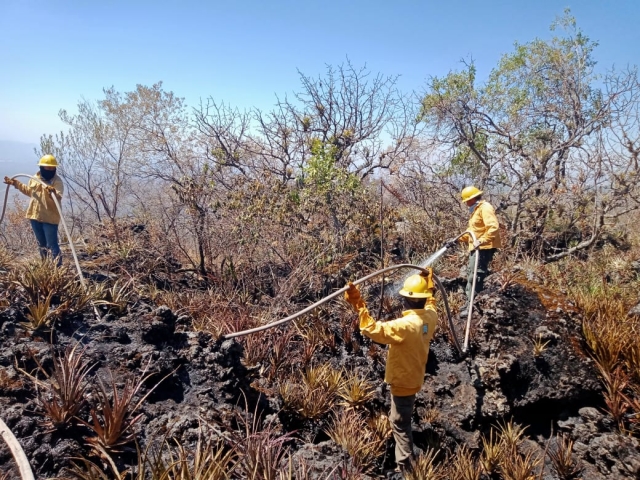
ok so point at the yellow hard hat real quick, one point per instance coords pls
(416, 286)
(470, 192)
(48, 161)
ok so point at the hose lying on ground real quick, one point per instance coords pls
(16, 450)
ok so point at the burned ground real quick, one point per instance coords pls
(528, 364)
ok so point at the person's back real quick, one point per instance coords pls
(408, 338)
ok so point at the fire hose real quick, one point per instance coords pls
(18, 453)
(421, 268)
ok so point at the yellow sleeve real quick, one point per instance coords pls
(23, 188)
(390, 333)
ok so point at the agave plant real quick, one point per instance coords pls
(115, 416)
(426, 468)
(40, 315)
(349, 430)
(356, 392)
(562, 461)
(62, 395)
(43, 278)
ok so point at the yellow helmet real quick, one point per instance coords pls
(48, 161)
(416, 286)
(470, 192)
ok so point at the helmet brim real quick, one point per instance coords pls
(477, 194)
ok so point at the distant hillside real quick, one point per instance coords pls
(17, 157)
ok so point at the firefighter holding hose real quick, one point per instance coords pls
(483, 223)
(42, 211)
(408, 338)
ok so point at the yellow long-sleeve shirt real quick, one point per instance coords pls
(408, 338)
(484, 224)
(41, 207)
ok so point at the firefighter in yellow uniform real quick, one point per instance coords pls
(484, 225)
(42, 211)
(408, 338)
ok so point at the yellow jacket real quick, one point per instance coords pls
(484, 224)
(408, 338)
(41, 207)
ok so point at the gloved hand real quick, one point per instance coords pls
(352, 296)
(450, 243)
(428, 277)
(476, 244)
(50, 189)
(9, 181)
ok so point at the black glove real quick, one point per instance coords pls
(452, 242)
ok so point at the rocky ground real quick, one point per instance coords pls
(207, 381)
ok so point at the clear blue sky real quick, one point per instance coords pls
(55, 52)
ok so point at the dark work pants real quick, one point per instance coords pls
(400, 418)
(483, 270)
(47, 237)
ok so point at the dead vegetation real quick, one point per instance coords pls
(231, 228)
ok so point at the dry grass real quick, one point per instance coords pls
(355, 392)
(51, 292)
(612, 340)
(349, 430)
(425, 468)
(117, 296)
(429, 415)
(7, 258)
(63, 393)
(513, 464)
(539, 345)
(211, 460)
(40, 279)
(463, 466)
(307, 402)
(260, 452)
(115, 415)
(615, 384)
(562, 461)
(314, 393)
(492, 453)
(520, 467)
(380, 426)
(511, 435)
(39, 315)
